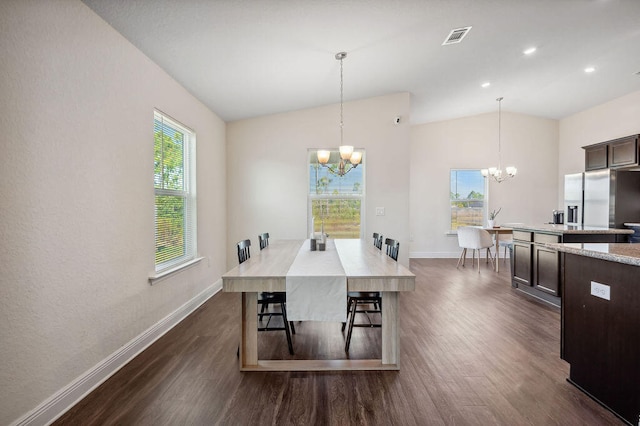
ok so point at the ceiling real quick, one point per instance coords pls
(247, 58)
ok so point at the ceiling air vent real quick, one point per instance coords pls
(456, 36)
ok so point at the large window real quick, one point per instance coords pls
(335, 202)
(468, 198)
(175, 201)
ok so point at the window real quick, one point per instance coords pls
(175, 201)
(335, 201)
(467, 198)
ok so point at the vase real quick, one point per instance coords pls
(492, 223)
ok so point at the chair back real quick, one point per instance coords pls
(264, 240)
(471, 237)
(393, 248)
(377, 240)
(243, 250)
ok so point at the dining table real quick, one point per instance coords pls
(364, 268)
(496, 231)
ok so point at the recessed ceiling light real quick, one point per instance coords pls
(529, 51)
(589, 69)
(487, 84)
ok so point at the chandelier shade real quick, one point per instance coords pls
(323, 156)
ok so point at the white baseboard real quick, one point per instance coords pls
(60, 402)
(433, 255)
(444, 255)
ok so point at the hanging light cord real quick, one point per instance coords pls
(499, 132)
(341, 56)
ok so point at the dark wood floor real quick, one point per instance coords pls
(473, 352)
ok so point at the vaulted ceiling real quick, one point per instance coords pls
(255, 57)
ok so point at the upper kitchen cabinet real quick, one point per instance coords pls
(617, 153)
(623, 152)
(595, 157)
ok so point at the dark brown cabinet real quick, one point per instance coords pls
(617, 153)
(546, 264)
(601, 331)
(623, 152)
(595, 157)
(535, 265)
(521, 273)
(522, 263)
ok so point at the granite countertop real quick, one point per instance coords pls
(614, 252)
(568, 229)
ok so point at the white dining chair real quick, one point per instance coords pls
(470, 237)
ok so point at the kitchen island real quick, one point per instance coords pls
(536, 265)
(600, 330)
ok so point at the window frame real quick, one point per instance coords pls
(485, 199)
(314, 196)
(187, 193)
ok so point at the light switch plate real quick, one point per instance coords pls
(602, 291)
(379, 211)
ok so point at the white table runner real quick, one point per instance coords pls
(317, 286)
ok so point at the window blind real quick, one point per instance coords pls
(174, 185)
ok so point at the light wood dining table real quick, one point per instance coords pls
(497, 231)
(366, 269)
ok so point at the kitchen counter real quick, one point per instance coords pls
(618, 252)
(536, 255)
(570, 229)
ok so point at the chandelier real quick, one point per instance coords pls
(496, 172)
(349, 159)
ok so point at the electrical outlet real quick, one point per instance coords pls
(602, 291)
(379, 211)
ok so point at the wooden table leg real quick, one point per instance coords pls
(249, 338)
(390, 334)
(497, 252)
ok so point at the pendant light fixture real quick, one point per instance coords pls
(496, 172)
(349, 159)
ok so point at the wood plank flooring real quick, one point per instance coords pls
(473, 352)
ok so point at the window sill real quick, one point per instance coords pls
(153, 279)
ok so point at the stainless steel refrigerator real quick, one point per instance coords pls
(603, 198)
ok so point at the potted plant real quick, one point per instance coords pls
(492, 217)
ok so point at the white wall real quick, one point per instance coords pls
(614, 119)
(76, 217)
(268, 177)
(528, 143)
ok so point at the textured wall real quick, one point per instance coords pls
(76, 216)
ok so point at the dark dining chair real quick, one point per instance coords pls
(266, 299)
(244, 250)
(377, 240)
(393, 248)
(274, 297)
(361, 302)
(264, 240)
